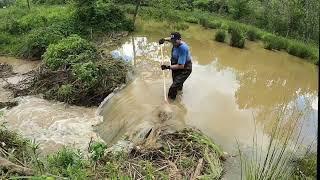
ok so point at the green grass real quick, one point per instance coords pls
(237, 37)
(220, 35)
(274, 161)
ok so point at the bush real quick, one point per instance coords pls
(36, 43)
(300, 50)
(4, 39)
(253, 34)
(69, 51)
(204, 22)
(105, 17)
(191, 19)
(65, 92)
(214, 24)
(220, 35)
(274, 42)
(237, 37)
(86, 72)
(224, 26)
(14, 26)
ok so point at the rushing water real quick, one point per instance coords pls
(52, 124)
(227, 90)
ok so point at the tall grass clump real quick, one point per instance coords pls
(305, 167)
(237, 36)
(214, 24)
(204, 22)
(191, 19)
(220, 35)
(301, 50)
(253, 34)
(273, 42)
(283, 143)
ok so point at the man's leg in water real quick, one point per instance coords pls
(178, 79)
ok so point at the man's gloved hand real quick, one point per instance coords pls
(161, 41)
(164, 67)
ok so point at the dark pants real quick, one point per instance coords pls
(178, 78)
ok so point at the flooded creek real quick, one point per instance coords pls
(227, 90)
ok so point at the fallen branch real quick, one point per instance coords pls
(14, 168)
(198, 170)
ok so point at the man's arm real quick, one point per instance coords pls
(161, 41)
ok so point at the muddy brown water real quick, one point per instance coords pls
(227, 90)
(52, 124)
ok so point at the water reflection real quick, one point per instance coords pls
(227, 87)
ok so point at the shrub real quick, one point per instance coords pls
(274, 42)
(86, 72)
(69, 51)
(224, 26)
(191, 19)
(253, 34)
(300, 50)
(204, 22)
(4, 39)
(14, 26)
(237, 37)
(105, 17)
(220, 35)
(65, 91)
(214, 24)
(36, 43)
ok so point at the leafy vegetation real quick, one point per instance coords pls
(220, 35)
(68, 52)
(237, 37)
(27, 33)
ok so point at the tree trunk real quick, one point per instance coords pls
(138, 2)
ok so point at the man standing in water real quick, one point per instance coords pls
(181, 65)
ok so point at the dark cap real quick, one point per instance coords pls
(175, 36)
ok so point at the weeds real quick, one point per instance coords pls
(237, 37)
(274, 42)
(282, 145)
(300, 50)
(220, 35)
(253, 34)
